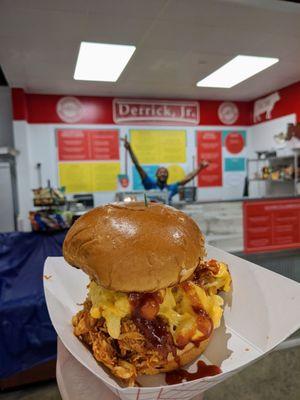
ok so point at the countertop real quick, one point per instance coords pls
(180, 204)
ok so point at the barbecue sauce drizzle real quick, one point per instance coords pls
(145, 307)
(180, 375)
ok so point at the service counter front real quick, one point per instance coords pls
(248, 225)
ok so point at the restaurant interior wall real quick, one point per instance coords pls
(36, 123)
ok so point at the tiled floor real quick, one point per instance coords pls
(275, 377)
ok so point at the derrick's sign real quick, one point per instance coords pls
(129, 111)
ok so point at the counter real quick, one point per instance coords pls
(181, 204)
(248, 224)
(271, 224)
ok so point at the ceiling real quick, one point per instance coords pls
(178, 43)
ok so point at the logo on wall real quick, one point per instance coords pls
(265, 105)
(69, 109)
(128, 111)
(228, 113)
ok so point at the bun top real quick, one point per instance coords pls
(131, 247)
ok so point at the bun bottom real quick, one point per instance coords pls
(187, 355)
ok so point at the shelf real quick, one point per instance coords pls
(271, 158)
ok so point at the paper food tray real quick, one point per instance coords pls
(262, 310)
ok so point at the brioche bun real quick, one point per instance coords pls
(131, 247)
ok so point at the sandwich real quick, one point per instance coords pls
(152, 301)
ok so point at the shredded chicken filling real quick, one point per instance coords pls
(124, 341)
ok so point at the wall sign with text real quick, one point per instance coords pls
(130, 111)
(234, 150)
(271, 224)
(209, 147)
(156, 146)
(88, 177)
(80, 145)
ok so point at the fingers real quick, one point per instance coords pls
(126, 143)
(204, 163)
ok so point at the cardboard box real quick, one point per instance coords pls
(262, 310)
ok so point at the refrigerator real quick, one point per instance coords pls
(7, 196)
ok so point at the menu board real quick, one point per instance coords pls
(234, 141)
(84, 145)
(76, 177)
(105, 176)
(209, 147)
(86, 177)
(271, 224)
(137, 181)
(176, 173)
(154, 146)
(234, 151)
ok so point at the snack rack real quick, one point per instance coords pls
(51, 216)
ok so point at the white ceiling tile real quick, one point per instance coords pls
(178, 42)
(49, 25)
(112, 29)
(53, 5)
(127, 8)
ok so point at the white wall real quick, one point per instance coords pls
(261, 136)
(36, 143)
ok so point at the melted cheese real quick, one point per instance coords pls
(111, 305)
(176, 307)
(222, 280)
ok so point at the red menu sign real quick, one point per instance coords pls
(209, 147)
(234, 142)
(82, 145)
(271, 225)
(168, 112)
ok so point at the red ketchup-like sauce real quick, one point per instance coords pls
(145, 307)
(204, 271)
(181, 375)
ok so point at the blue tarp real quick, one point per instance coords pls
(27, 337)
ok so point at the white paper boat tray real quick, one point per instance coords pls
(262, 310)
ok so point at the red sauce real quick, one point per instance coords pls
(204, 271)
(204, 322)
(156, 334)
(205, 326)
(145, 307)
(180, 375)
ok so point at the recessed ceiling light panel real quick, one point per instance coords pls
(101, 61)
(237, 70)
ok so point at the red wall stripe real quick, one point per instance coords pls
(289, 103)
(41, 109)
(19, 104)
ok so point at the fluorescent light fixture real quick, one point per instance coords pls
(236, 70)
(102, 61)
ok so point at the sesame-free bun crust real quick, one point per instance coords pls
(133, 247)
(185, 356)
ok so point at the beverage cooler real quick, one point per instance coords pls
(8, 209)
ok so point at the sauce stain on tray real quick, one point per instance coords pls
(181, 375)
